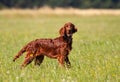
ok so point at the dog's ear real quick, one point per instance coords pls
(62, 31)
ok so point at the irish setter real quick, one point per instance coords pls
(57, 48)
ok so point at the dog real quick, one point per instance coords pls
(58, 48)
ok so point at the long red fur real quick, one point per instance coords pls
(57, 48)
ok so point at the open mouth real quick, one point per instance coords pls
(69, 34)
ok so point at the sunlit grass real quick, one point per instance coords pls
(95, 56)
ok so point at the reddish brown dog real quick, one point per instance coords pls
(57, 48)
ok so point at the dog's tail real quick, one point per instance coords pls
(20, 53)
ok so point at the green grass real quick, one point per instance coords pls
(95, 56)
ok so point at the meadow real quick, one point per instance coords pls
(95, 56)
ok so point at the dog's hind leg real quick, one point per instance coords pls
(39, 60)
(28, 59)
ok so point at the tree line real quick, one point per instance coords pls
(60, 3)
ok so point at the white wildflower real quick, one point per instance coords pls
(8, 72)
(17, 77)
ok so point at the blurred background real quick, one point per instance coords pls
(96, 46)
(82, 4)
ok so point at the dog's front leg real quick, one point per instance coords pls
(68, 64)
(61, 60)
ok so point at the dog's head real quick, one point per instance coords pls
(68, 29)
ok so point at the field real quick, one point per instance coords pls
(95, 56)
